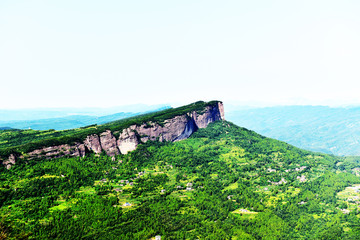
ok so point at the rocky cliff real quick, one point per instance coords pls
(174, 129)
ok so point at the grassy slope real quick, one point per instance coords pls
(71, 198)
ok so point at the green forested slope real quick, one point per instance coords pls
(243, 186)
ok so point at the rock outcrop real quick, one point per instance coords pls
(175, 129)
(10, 161)
(128, 140)
(57, 151)
(92, 143)
(108, 143)
(211, 114)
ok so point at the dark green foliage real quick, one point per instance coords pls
(233, 193)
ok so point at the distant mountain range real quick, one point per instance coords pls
(44, 113)
(5, 128)
(61, 119)
(317, 128)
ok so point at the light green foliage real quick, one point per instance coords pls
(235, 193)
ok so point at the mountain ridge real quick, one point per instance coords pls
(168, 125)
(30, 114)
(73, 120)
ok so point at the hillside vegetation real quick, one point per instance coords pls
(224, 182)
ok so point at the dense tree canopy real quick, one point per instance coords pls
(224, 182)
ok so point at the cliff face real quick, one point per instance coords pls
(174, 129)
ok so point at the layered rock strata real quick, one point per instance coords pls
(174, 129)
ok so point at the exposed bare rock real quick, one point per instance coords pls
(92, 142)
(301, 178)
(221, 110)
(300, 169)
(81, 149)
(190, 128)
(127, 140)
(55, 151)
(108, 143)
(10, 161)
(356, 171)
(282, 181)
(172, 129)
(175, 129)
(76, 150)
(211, 114)
(345, 211)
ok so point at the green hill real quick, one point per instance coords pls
(224, 182)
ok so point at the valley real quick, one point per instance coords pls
(331, 130)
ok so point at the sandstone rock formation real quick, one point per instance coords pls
(127, 140)
(108, 143)
(57, 151)
(92, 143)
(174, 129)
(10, 161)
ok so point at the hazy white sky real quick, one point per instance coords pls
(108, 53)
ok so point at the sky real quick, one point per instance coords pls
(111, 53)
